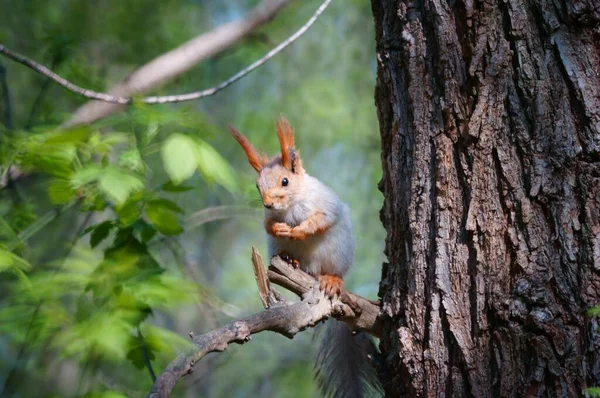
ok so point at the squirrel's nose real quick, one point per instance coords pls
(268, 205)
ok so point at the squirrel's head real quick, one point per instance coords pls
(280, 178)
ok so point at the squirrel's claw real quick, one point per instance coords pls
(331, 285)
(288, 259)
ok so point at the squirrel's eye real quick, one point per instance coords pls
(284, 182)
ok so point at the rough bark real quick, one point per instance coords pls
(490, 123)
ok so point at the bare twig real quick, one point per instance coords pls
(145, 78)
(264, 287)
(287, 320)
(144, 349)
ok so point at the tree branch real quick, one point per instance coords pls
(280, 317)
(171, 64)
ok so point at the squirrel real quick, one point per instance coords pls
(309, 226)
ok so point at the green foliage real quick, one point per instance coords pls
(92, 304)
(96, 249)
(182, 155)
(594, 311)
(593, 391)
(179, 157)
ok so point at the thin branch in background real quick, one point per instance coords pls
(146, 355)
(177, 61)
(5, 98)
(167, 98)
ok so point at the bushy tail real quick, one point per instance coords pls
(343, 366)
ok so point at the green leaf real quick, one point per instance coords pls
(128, 214)
(149, 134)
(9, 260)
(118, 185)
(73, 136)
(104, 394)
(178, 157)
(131, 160)
(593, 391)
(163, 218)
(214, 168)
(6, 260)
(53, 159)
(143, 231)
(170, 187)
(100, 232)
(61, 192)
(85, 176)
(136, 352)
(168, 204)
(594, 311)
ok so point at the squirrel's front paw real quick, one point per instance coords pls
(281, 229)
(331, 285)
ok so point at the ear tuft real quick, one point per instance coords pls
(256, 160)
(285, 132)
(295, 162)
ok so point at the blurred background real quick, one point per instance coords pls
(121, 239)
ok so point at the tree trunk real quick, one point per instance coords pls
(490, 124)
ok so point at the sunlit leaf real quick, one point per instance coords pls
(164, 340)
(104, 394)
(179, 157)
(86, 175)
(9, 260)
(593, 391)
(53, 159)
(61, 192)
(214, 168)
(69, 136)
(149, 134)
(128, 214)
(6, 261)
(131, 160)
(594, 311)
(105, 333)
(118, 185)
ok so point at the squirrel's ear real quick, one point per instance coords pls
(256, 160)
(290, 158)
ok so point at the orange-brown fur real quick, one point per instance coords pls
(314, 225)
(256, 160)
(285, 132)
(331, 284)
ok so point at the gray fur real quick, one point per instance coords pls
(343, 367)
(329, 253)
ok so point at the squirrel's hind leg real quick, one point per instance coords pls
(331, 285)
